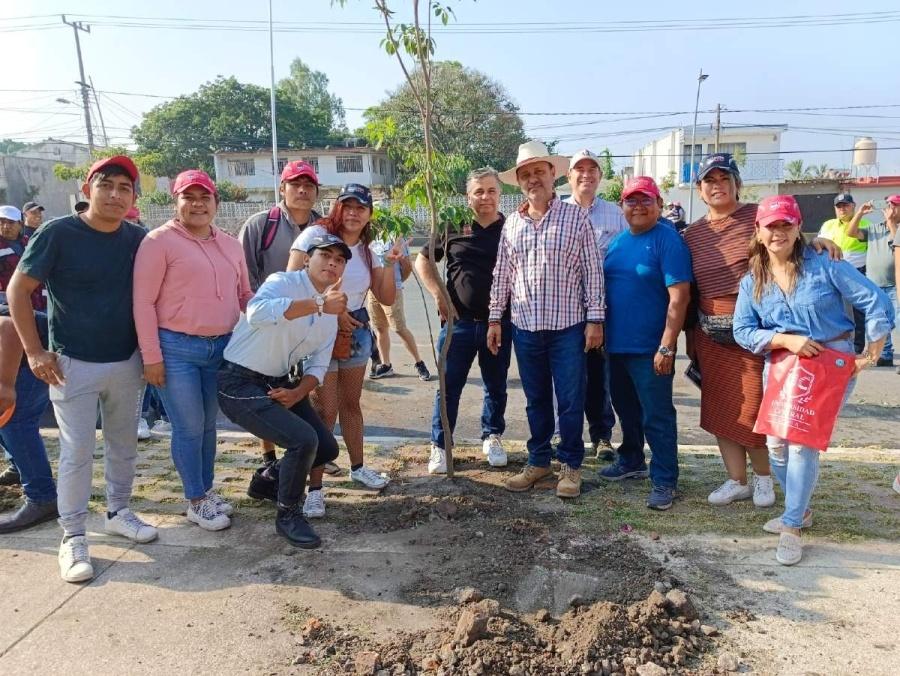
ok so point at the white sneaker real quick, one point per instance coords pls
(730, 491)
(143, 429)
(314, 505)
(493, 449)
(129, 525)
(205, 515)
(897, 482)
(776, 525)
(763, 491)
(369, 478)
(437, 461)
(222, 505)
(161, 427)
(74, 560)
(790, 549)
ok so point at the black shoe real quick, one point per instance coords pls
(264, 484)
(884, 362)
(422, 370)
(382, 371)
(28, 515)
(10, 477)
(603, 450)
(293, 527)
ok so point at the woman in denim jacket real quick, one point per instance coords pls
(793, 299)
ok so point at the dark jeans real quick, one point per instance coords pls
(597, 404)
(553, 361)
(469, 341)
(299, 430)
(643, 401)
(859, 325)
(21, 437)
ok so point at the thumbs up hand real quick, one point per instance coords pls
(335, 299)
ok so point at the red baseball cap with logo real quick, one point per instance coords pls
(641, 184)
(192, 177)
(892, 199)
(118, 161)
(298, 168)
(778, 208)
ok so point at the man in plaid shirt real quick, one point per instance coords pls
(549, 271)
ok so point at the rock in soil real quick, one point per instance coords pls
(366, 663)
(651, 669)
(681, 605)
(728, 662)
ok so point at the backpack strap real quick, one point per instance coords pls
(270, 229)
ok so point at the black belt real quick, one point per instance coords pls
(256, 376)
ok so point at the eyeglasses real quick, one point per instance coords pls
(644, 201)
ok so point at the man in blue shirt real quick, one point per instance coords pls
(648, 276)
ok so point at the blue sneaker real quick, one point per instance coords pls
(618, 472)
(660, 498)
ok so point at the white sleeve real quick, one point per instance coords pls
(303, 241)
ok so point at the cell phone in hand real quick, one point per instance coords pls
(693, 373)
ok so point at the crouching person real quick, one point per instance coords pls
(291, 319)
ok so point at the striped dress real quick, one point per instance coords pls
(732, 376)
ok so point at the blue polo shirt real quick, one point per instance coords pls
(638, 271)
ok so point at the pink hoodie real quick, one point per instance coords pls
(187, 284)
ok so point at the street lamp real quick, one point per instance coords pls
(700, 79)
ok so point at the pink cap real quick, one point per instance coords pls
(133, 214)
(193, 177)
(778, 208)
(298, 168)
(115, 160)
(893, 199)
(641, 184)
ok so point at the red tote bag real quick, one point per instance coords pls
(803, 396)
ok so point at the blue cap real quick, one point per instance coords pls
(358, 192)
(723, 161)
(844, 198)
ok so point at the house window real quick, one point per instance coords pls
(349, 164)
(731, 148)
(241, 168)
(382, 167)
(282, 161)
(314, 161)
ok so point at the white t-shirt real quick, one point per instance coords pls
(357, 278)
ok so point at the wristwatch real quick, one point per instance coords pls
(320, 303)
(666, 352)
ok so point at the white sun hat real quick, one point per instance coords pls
(531, 152)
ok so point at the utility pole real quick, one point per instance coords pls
(700, 79)
(276, 177)
(99, 113)
(718, 124)
(85, 101)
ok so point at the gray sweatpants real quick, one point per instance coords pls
(117, 386)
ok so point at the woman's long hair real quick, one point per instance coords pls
(333, 223)
(761, 271)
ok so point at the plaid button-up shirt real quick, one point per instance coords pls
(607, 219)
(549, 271)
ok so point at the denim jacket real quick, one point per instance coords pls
(815, 308)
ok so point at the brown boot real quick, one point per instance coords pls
(569, 485)
(527, 478)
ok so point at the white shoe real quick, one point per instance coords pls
(314, 505)
(437, 462)
(222, 505)
(143, 429)
(162, 427)
(730, 491)
(493, 449)
(74, 560)
(776, 525)
(205, 515)
(368, 477)
(790, 549)
(129, 525)
(897, 482)
(763, 491)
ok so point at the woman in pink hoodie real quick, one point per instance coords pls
(190, 286)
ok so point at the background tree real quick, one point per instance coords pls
(472, 117)
(668, 181)
(607, 170)
(9, 146)
(227, 115)
(307, 89)
(795, 171)
(231, 192)
(79, 173)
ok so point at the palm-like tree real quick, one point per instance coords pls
(795, 171)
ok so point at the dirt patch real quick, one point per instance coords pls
(10, 497)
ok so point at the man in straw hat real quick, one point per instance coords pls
(548, 270)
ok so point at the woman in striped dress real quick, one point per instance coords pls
(731, 375)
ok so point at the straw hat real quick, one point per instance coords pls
(531, 152)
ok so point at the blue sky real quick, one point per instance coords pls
(628, 71)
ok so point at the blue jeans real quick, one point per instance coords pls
(597, 404)
(553, 361)
(643, 401)
(887, 352)
(22, 439)
(470, 340)
(190, 398)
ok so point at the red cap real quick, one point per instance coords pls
(641, 184)
(892, 199)
(298, 168)
(133, 214)
(116, 160)
(192, 177)
(778, 208)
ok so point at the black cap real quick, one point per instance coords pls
(328, 241)
(28, 206)
(81, 206)
(358, 192)
(723, 161)
(844, 198)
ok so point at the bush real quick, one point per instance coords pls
(230, 192)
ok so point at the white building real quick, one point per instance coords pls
(756, 148)
(335, 166)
